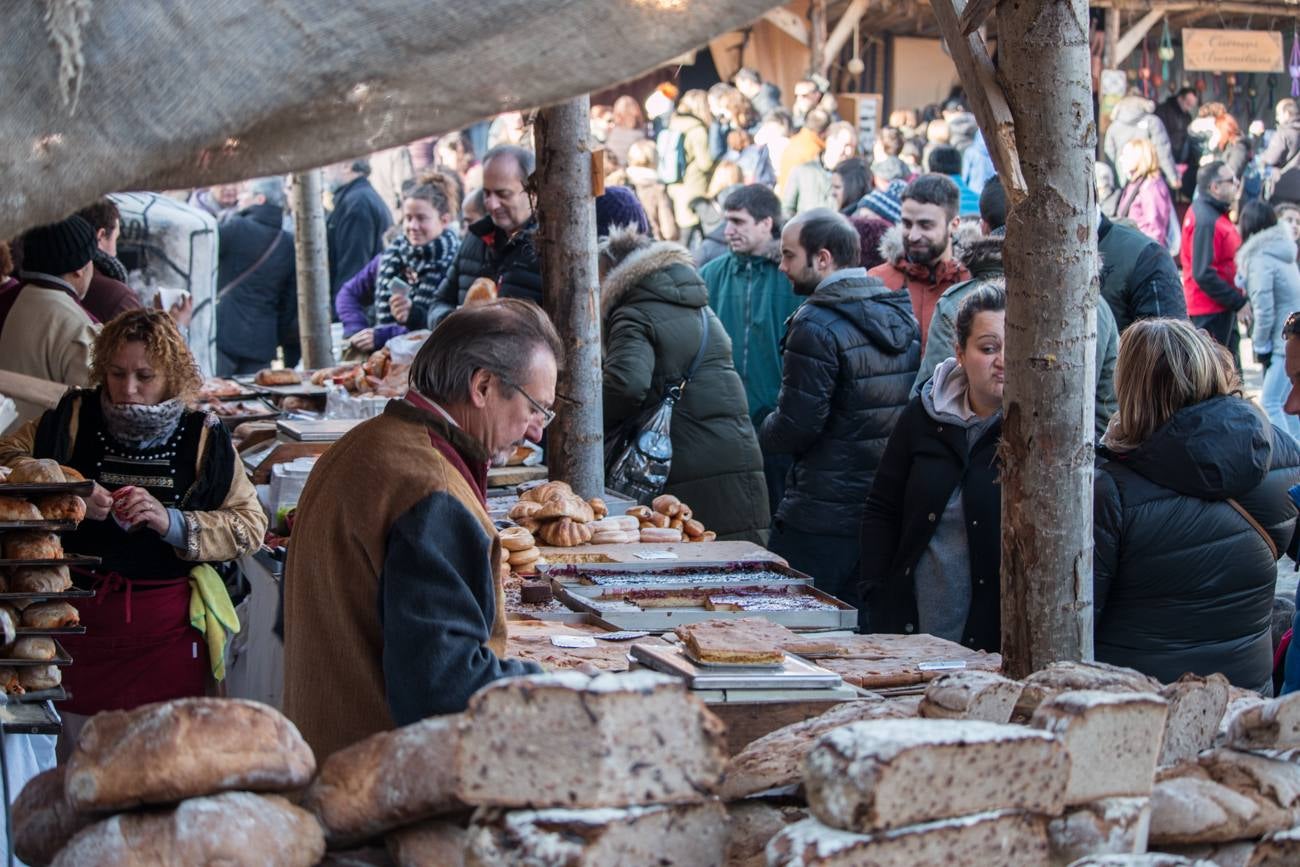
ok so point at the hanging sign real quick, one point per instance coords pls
(1232, 50)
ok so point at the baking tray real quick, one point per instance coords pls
(260, 411)
(54, 632)
(70, 560)
(42, 526)
(61, 658)
(74, 593)
(302, 389)
(625, 616)
(648, 574)
(795, 674)
(32, 717)
(40, 489)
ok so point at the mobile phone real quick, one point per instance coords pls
(398, 286)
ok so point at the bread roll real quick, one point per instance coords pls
(43, 821)
(692, 528)
(40, 471)
(61, 507)
(564, 533)
(567, 507)
(49, 615)
(615, 523)
(9, 681)
(657, 534)
(516, 539)
(165, 752)
(236, 829)
(666, 504)
(598, 507)
(525, 558)
(17, 509)
(39, 579)
(277, 377)
(546, 491)
(31, 545)
(523, 509)
(38, 677)
(39, 647)
(641, 513)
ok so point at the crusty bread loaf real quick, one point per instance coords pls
(683, 835)
(751, 824)
(1005, 838)
(389, 779)
(1075, 676)
(18, 509)
(776, 759)
(1112, 826)
(431, 843)
(49, 615)
(30, 545)
(37, 677)
(61, 507)
(277, 377)
(39, 579)
(36, 471)
(563, 532)
(1269, 725)
(235, 829)
(1196, 705)
(1188, 807)
(566, 739)
(981, 695)
(864, 777)
(1113, 740)
(37, 647)
(165, 752)
(43, 820)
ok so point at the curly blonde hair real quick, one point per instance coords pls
(164, 346)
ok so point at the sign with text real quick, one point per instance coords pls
(1232, 51)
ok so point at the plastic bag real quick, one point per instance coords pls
(641, 469)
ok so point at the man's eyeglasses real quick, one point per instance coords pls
(548, 415)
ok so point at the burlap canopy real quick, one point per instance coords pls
(107, 95)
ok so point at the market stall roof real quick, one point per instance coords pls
(153, 95)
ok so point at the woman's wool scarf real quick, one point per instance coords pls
(426, 263)
(141, 426)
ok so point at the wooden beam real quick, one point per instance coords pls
(1133, 38)
(817, 57)
(843, 30)
(1112, 38)
(975, 14)
(1281, 10)
(788, 23)
(988, 102)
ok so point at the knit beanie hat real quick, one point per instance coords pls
(888, 203)
(619, 206)
(59, 248)
(870, 231)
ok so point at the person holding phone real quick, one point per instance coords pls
(376, 305)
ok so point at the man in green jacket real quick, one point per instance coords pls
(754, 299)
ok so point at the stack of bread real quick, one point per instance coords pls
(190, 781)
(668, 519)
(557, 516)
(49, 507)
(519, 551)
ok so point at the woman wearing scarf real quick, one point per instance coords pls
(169, 496)
(377, 303)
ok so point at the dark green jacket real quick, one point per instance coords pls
(650, 305)
(753, 299)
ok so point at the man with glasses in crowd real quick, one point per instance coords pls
(392, 610)
(1210, 243)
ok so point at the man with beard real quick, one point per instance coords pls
(850, 355)
(919, 250)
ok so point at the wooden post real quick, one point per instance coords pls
(817, 59)
(313, 271)
(1111, 54)
(566, 237)
(1051, 331)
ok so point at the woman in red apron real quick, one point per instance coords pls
(169, 494)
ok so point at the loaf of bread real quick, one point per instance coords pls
(235, 829)
(1005, 838)
(751, 823)
(776, 759)
(277, 377)
(566, 739)
(1269, 725)
(39, 579)
(37, 677)
(1196, 706)
(863, 777)
(36, 471)
(1075, 676)
(656, 534)
(31, 545)
(43, 821)
(981, 695)
(516, 539)
(50, 615)
(567, 506)
(17, 509)
(37, 647)
(563, 532)
(389, 779)
(1113, 740)
(1188, 806)
(1113, 826)
(598, 507)
(1273, 777)
(431, 843)
(165, 752)
(61, 507)
(683, 835)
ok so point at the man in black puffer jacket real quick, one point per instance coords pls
(501, 246)
(850, 355)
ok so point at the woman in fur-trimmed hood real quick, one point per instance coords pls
(650, 302)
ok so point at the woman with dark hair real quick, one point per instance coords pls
(1266, 267)
(850, 181)
(931, 531)
(399, 284)
(1190, 510)
(628, 128)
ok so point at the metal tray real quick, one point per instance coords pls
(74, 593)
(61, 658)
(261, 411)
(40, 489)
(795, 674)
(674, 574)
(23, 716)
(302, 389)
(56, 631)
(624, 616)
(43, 526)
(70, 560)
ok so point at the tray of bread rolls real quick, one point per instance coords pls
(34, 650)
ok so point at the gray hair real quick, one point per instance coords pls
(525, 159)
(272, 188)
(500, 337)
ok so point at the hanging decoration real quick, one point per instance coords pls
(1166, 49)
(1144, 71)
(1295, 62)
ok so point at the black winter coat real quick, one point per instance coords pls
(850, 355)
(355, 231)
(261, 311)
(1182, 582)
(509, 261)
(925, 461)
(1138, 277)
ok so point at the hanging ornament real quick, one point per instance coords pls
(1295, 62)
(855, 65)
(1166, 50)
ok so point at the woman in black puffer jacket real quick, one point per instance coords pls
(1184, 581)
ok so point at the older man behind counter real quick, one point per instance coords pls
(392, 608)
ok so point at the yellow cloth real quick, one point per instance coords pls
(212, 613)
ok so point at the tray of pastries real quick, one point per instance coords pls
(38, 478)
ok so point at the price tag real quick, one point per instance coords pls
(573, 641)
(654, 555)
(943, 665)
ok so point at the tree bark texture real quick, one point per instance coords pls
(1051, 331)
(313, 270)
(567, 245)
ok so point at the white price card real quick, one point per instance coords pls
(943, 665)
(573, 641)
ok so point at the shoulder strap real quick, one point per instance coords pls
(699, 353)
(1250, 519)
(261, 260)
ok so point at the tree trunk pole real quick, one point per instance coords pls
(313, 271)
(1051, 332)
(566, 236)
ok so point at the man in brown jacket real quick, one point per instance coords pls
(392, 607)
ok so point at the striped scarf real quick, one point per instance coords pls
(423, 267)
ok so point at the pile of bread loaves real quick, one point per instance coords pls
(49, 507)
(519, 552)
(557, 516)
(668, 519)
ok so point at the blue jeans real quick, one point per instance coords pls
(1273, 394)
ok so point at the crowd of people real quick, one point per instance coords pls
(838, 315)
